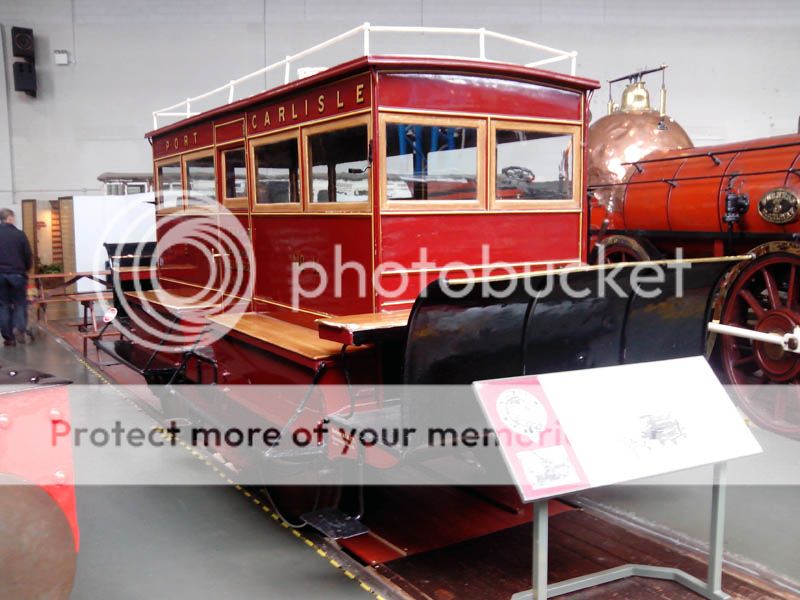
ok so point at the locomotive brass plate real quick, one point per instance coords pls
(778, 206)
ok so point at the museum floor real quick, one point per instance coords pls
(206, 542)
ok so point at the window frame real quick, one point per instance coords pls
(529, 205)
(185, 175)
(477, 122)
(239, 202)
(272, 138)
(160, 208)
(335, 207)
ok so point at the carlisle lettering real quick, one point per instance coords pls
(347, 98)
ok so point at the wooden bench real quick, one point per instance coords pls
(284, 337)
(368, 328)
(87, 300)
(177, 300)
(57, 291)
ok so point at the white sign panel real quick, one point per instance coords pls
(564, 432)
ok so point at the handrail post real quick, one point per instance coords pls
(366, 38)
(155, 120)
(574, 62)
(188, 107)
(230, 91)
(482, 43)
(287, 71)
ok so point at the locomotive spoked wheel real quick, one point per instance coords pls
(765, 297)
(621, 249)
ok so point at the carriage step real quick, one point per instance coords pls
(334, 524)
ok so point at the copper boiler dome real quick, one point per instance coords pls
(628, 133)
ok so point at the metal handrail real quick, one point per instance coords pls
(365, 29)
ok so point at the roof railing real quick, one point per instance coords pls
(183, 109)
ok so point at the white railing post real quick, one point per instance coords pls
(574, 65)
(482, 42)
(188, 107)
(287, 72)
(155, 120)
(230, 91)
(366, 38)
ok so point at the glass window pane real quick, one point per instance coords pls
(533, 165)
(429, 162)
(339, 161)
(169, 185)
(277, 172)
(201, 179)
(235, 174)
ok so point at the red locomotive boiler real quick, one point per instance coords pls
(736, 198)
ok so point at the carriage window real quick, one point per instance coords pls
(429, 162)
(339, 161)
(235, 174)
(200, 179)
(277, 172)
(169, 185)
(533, 165)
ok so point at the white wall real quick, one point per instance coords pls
(733, 73)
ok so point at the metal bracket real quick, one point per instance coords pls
(710, 589)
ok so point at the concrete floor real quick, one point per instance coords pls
(209, 542)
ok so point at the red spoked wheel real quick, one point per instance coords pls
(765, 297)
(619, 249)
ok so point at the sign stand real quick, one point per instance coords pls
(711, 589)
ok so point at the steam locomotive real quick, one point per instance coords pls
(654, 196)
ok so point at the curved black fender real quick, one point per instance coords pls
(467, 330)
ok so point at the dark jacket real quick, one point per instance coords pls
(15, 251)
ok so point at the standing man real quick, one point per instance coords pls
(16, 259)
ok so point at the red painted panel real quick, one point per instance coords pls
(27, 448)
(184, 253)
(686, 209)
(280, 241)
(184, 140)
(478, 94)
(231, 129)
(645, 205)
(324, 101)
(472, 239)
(235, 251)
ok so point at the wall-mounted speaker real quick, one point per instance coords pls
(22, 43)
(25, 78)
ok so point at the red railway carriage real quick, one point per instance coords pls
(733, 198)
(356, 169)
(298, 229)
(374, 157)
